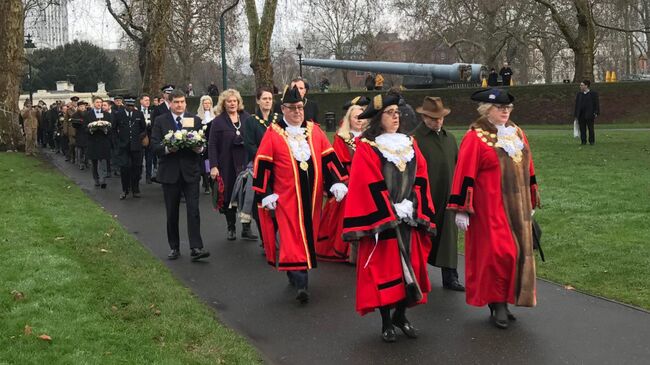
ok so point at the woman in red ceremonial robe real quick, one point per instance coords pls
(330, 245)
(389, 210)
(494, 192)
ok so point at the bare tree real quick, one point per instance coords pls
(341, 28)
(11, 63)
(147, 23)
(260, 31)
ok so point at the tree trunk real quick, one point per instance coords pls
(548, 66)
(11, 63)
(159, 13)
(260, 32)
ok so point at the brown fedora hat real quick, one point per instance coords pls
(432, 106)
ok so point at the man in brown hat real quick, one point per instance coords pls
(440, 150)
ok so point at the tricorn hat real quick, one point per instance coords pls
(359, 100)
(433, 107)
(378, 104)
(167, 89)
(291, 95)
(493, 95)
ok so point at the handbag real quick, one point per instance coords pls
(145, 141)
(576, 129)
(537, 238)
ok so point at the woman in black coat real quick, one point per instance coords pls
(226, 151)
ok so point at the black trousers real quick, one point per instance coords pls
(172, 193)
(150, 161)
(132, 172)
(584, 125)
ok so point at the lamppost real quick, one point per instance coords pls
(299, 53)
(222, 30)
(29, 49)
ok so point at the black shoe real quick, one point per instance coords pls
(232, 235)
(136, 194)
(199, 253)
(389, 335)
(103, 186)
(174, 254)
(123, 195)
(454, 285)
(246, 232)
(498, 315)
(405, 326)
(303, 296)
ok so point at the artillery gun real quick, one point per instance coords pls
(416, 75)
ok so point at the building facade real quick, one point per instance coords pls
(48, 26)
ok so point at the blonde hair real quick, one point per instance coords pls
(344, 129)
(200, 111)
(221, 107)
(484, 108)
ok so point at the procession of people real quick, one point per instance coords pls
(383, 196)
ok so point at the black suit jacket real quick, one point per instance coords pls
(158, 111)
(183, 163)
(130, 131)
(587, 105)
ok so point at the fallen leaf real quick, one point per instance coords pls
(59, 238)
(17, 295)
(103, 250)
(115, 216)
(152, 306)
(114, 308)
(45, 337)
(569, 287)
(28, 330)
(157, 312)
(67, 187)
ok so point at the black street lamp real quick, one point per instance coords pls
(29, 49)
(299, 53)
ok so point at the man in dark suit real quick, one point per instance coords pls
(150, 159)
(179, 173)
(165, 102)
(130, 129)
(586, 110)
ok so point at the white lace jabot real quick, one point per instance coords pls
(397, 148)
(297, 138)
(509, 141)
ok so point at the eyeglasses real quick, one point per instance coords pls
(503, 107)
(392, 112)
(294, 108)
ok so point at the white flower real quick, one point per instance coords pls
(178, 135)
(169, 134)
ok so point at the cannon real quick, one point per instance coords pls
(417, 75)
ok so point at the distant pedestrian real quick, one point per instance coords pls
(506, 74)
(370, 82)
(379, 81)
(30, 117)
(190, 90)
(493, 78)
(213, 90)
(586, 110)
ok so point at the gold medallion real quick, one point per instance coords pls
(304, 166)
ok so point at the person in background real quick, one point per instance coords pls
(150, 158)
(506, 74)
(440, 150)
(379, 81)
(587, 109)
(130, 129)
(205, 111)
(99, 142)
(493, 78)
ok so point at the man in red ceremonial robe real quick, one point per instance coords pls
(294, 164)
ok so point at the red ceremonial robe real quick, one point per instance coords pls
(330, 245)
(289, 231)
(370, 211)
(498, 193)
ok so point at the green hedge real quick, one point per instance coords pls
(623, 102)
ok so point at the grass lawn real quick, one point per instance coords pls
(596, 210)
(71, 272)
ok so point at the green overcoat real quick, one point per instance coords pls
(440, 150)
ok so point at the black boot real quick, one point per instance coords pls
(246, 232)
(399, 320)
(387, 330)
(231, 219)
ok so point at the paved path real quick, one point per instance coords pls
(565, 328)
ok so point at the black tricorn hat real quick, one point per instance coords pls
(167, 89)
(359, 100)
(493, 95)
(378, 104)
(291, 95)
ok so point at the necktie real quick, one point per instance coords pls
(179, 125)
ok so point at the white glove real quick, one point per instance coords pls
(339, 190)
(270, 202)
(404, 209)
(462, 220)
